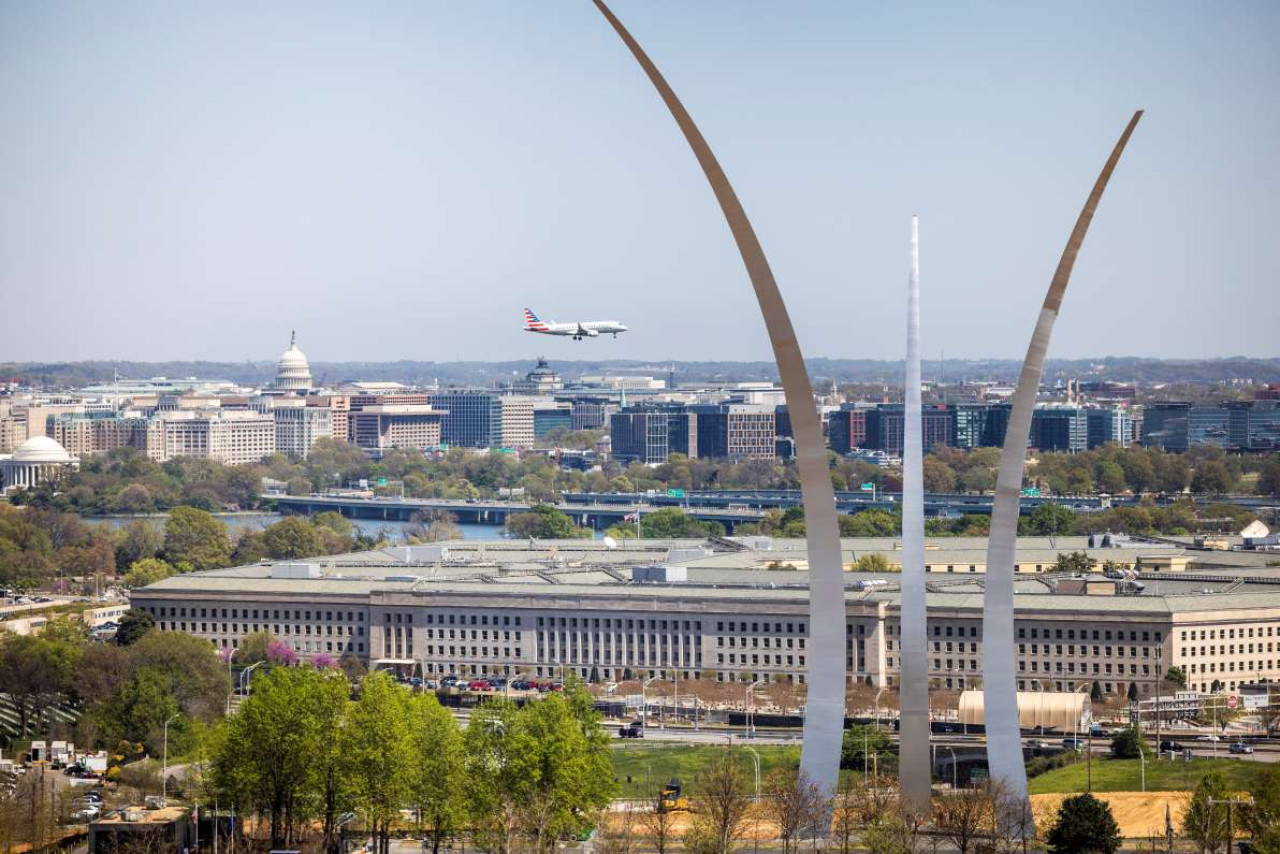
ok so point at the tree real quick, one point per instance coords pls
(660, 824)
(1095, 692)
(1264, 817)
(543, 522)
(861, 741)
(1084, 825)
(498, 774)
(194, 540)
(1177, 676)
(869, 523)
(1212, 477)
(140, 539)
(1133, 692)
(377, 749)
(433, 526)
(1269, 479)
(1128, 744)
(134, 498)
(436, 783)
(292, 539)
(872, 562)
(147, 571)
(265, 758)
(1111, 478)
(938, 476)
(36, 673)
(133, 625)
(1205, 821)
(1076, 563)
(1050, 520)
(723, 800)
(794, 803)
(964, 817)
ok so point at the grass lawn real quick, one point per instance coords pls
(651, 767)
(1124, 775)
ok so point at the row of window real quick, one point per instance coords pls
(1226, 634)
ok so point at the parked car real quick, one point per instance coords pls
(1241, 748)
(479, 685)
(1174, 746)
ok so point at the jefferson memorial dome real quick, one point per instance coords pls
(36, 460)
(292, 371)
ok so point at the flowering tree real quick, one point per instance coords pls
(278, 652)
(323, 661)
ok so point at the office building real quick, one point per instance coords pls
(614, 614)
(84, 434)
(1059, 428)
(589, 414)
(649, 433)
(231, 438)
(1254, 425)
(474, 418)
(847, 428)
(1165, 426)
(299, 426)
(1109, 426)
(379, 427)
(549, 415)
(735, 431)
(516, 424)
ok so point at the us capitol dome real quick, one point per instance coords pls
(292, 371)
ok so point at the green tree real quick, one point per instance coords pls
(1269, 478)
(872, 562)
(1212, 477)
(1264, 817)
(1084, 825)
(860, 742)
(292, 539)
(377, 749)
(437, 781)
(1128, 744)
(1177, 676)
(500, 772)
(869, 523)
(133, 625)
(543, 522)
(264, 760)
(938, 476)
(147, 571)
(1050, 520)
(139, 540)
(194, 540)
(1075, 562)
(1111, 478)
(36, 674)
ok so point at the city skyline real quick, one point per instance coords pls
(292, 166)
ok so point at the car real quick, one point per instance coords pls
(1174, 746)
(1073, 743)
(635, 729)
(479, 685)
(1208, 738)
(1241, 748)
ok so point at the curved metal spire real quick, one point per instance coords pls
(824, 717)
(1000, 701)
(914, 773)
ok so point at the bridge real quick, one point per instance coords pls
(600, 510)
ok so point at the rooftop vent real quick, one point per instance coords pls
(295, 570)
(659, 574)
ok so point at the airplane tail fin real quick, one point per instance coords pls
(532, 322)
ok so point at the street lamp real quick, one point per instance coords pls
(644, 702)
(231, 653)
(246, 684)
(164, 767)
(749, 703)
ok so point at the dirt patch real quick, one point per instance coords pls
(1139, 814)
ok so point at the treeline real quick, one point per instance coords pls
(59, 551)
(126, 482)
(300, 753)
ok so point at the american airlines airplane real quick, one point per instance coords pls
(577, 330)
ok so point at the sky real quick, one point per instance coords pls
(398, 180)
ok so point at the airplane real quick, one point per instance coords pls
(577, 330)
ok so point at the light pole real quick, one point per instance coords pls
(231, 689)
(164, 767)
(246, 684)
(644, 702)
(1142, 762)
(751, 700)
(954, 767)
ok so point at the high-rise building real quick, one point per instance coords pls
(379, 427)
(736, 431)
(1165, 426)
(1209, 425)
(1109, 426)
(649, 433)
(590, 414)
(474, 418)
(83, 434)
(517, 421)
(1254, 425)
(551, 415)
(847, 428)
(886, 427)
(299, 427)
(1059, 428)
(231, 438)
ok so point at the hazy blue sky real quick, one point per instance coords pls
(398, 180)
